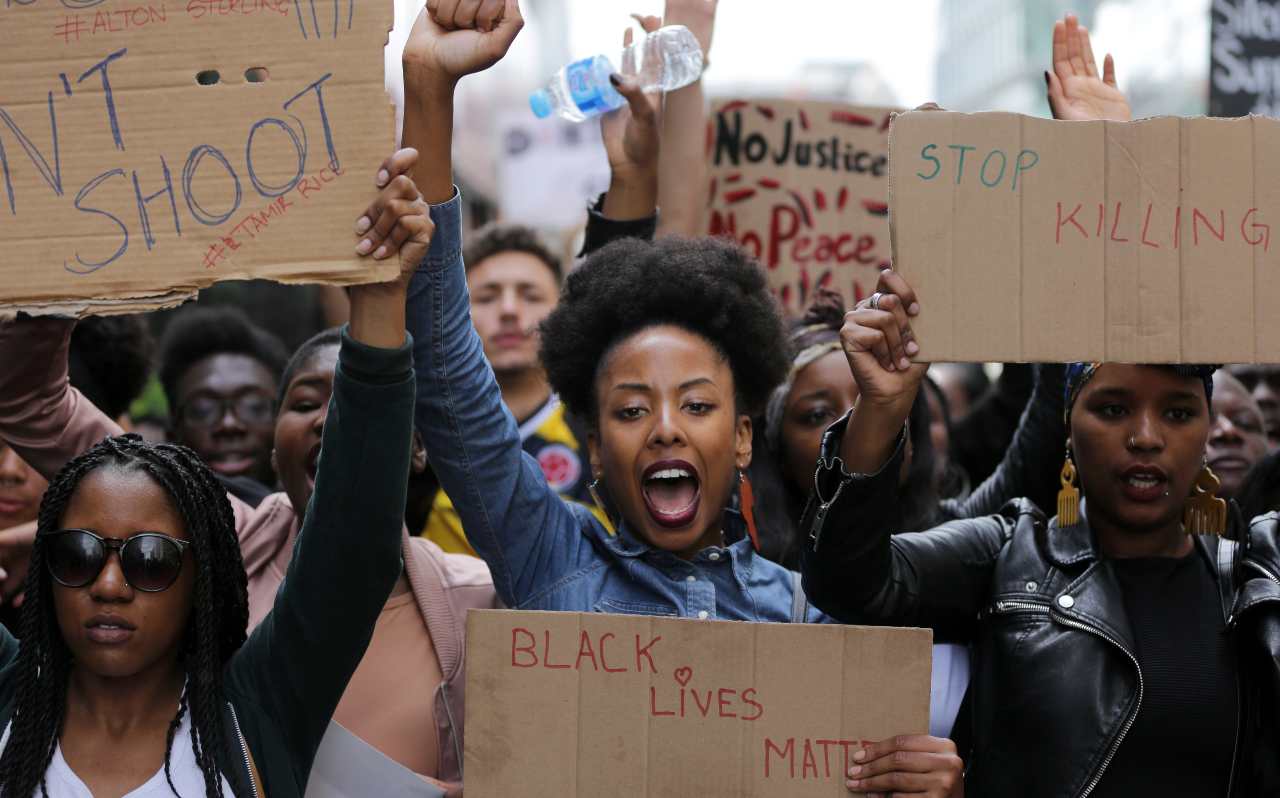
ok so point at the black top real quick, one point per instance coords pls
(1182, 740)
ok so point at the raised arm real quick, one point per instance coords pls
(1077, 91)
(682, 168)
(42, 417)
(632, 138)
(855, 568)
(1030, 466)
(298, 661)
(512, 517)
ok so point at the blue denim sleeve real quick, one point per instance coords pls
(514, 521)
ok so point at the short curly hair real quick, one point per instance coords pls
(496, 238)
(708, 286)
(197, 332)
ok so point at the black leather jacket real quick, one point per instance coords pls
(1055, 686)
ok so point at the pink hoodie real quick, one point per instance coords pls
(48, 422)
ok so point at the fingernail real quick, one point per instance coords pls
(913, 348)
(3, 574)
(855, 784)
(364, 247)
(381, 253)
(859, 755)
(383, 177)
(616, 80)
(855, 770)
(892, 367)
(904, 364)
(363, 225)
(914, 309)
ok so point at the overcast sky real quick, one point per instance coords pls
(761, 41)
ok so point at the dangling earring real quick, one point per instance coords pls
(1069, 496)
(1204, 513)
(593, 489)
(747, 504)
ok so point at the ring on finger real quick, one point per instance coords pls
(874, 304)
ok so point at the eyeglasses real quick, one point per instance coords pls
(251, 408)
(150, 561)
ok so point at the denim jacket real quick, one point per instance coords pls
(546, 553)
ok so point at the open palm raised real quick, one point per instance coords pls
(1076, 90)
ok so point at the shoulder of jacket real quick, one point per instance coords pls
(1262, 543)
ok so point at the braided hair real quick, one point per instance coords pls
(214, 632)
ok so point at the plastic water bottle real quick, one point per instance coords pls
(670, 58)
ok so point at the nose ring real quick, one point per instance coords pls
(1132, 443)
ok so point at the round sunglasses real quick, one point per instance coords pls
(150, 561)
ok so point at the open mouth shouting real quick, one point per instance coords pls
(1144, 483)
(672, 493)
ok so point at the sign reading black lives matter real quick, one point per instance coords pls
(1245, 61)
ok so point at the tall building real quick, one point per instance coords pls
(992, 53)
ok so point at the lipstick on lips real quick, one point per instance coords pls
(672, 492)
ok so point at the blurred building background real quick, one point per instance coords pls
(967, 55)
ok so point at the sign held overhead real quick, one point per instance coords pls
(586, 704)
(803, 186)
(148, 149)
(1037, 240)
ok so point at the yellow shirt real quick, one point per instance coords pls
(547, 438)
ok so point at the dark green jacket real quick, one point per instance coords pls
(284, 684)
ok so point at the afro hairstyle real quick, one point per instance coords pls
(708, 286)
(200, 332)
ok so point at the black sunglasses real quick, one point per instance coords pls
(150, 561)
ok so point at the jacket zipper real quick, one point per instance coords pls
(1260, 568)
(1006, 607)
(244, 749)
(820, 516)
(1133, 714)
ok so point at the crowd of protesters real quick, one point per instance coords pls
(185, 522)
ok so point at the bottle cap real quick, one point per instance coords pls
(540, 102)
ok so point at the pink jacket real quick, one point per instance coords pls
(48, 422)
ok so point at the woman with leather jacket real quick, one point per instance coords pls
(1117, 651)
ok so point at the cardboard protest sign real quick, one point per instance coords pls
(1036, 240)
(585, 704)
(151, 147)
(1244, 57)
(804, 187)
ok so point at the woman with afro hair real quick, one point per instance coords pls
(665, 350)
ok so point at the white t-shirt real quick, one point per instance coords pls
(950, 680)
(187, 776)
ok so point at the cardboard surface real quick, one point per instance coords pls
(578, 704)
(1140, 242)
(803, 186)
(126, 184)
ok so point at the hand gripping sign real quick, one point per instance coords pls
(588, 704)
(152, 147)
